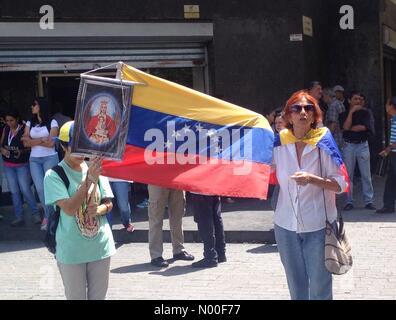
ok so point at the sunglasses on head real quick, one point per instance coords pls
(298, 108)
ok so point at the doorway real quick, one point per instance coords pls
(62, 89)
(389, 85)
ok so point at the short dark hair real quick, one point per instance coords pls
(13, 113)
(278, 112)
(354, 93)
(63, 144)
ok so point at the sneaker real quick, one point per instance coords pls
(370, 207)
(385, 210)
(159, 262)
(36, 219)
(204, 263)
(349, 207)
(144, 204)
(18, 222)
(44, 225)
(130, 228)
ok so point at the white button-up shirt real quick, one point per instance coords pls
(301, 208)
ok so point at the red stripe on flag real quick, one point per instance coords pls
(345, 174)
(216, 178)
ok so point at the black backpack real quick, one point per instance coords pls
(53, 220)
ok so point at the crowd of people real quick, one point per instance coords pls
(351, 122)
(305, 198)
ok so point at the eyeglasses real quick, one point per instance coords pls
(298, 108)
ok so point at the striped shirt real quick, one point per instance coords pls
(393, 132)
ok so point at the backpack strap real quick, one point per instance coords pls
(48, 125)
(50, 235)
(62, 174)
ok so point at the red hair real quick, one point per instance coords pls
(296, 99)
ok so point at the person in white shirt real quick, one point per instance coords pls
(39, 134)
(309, 180)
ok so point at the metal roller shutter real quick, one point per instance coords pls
(73, 57)
(84, 46)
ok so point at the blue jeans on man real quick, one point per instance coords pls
(359, 153)
(19, 181)
(303, 257)
(121, 193)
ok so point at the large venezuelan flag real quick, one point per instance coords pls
(183, 139)
(321, 138)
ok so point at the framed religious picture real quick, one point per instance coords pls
(101, 118)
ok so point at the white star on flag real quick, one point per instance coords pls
(186, 129)
(215, 139)
(211, 133)
(176, 134)
(199, 128)
(168, 145)
(218, 149)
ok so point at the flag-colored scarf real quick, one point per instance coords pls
(321, 138)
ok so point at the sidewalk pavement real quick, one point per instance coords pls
(245, 221)
(253, 271)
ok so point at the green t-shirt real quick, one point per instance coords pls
(79, 238)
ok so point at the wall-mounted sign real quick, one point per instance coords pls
(307, 26)
(296, 37)
(191, 11)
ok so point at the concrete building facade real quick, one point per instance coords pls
(252, 53)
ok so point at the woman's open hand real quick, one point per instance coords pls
(302, 178)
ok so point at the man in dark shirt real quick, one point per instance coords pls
(357, 128)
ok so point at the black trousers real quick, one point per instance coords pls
(389, 192)
(207, 214)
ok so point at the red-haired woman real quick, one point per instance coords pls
(309, 178)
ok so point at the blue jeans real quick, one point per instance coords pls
(360, 153)
(302, 256)
(120, 190)
(19, 180)
(38, 168)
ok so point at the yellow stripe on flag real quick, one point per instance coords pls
(170, 98)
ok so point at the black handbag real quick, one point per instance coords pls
(381, 168)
